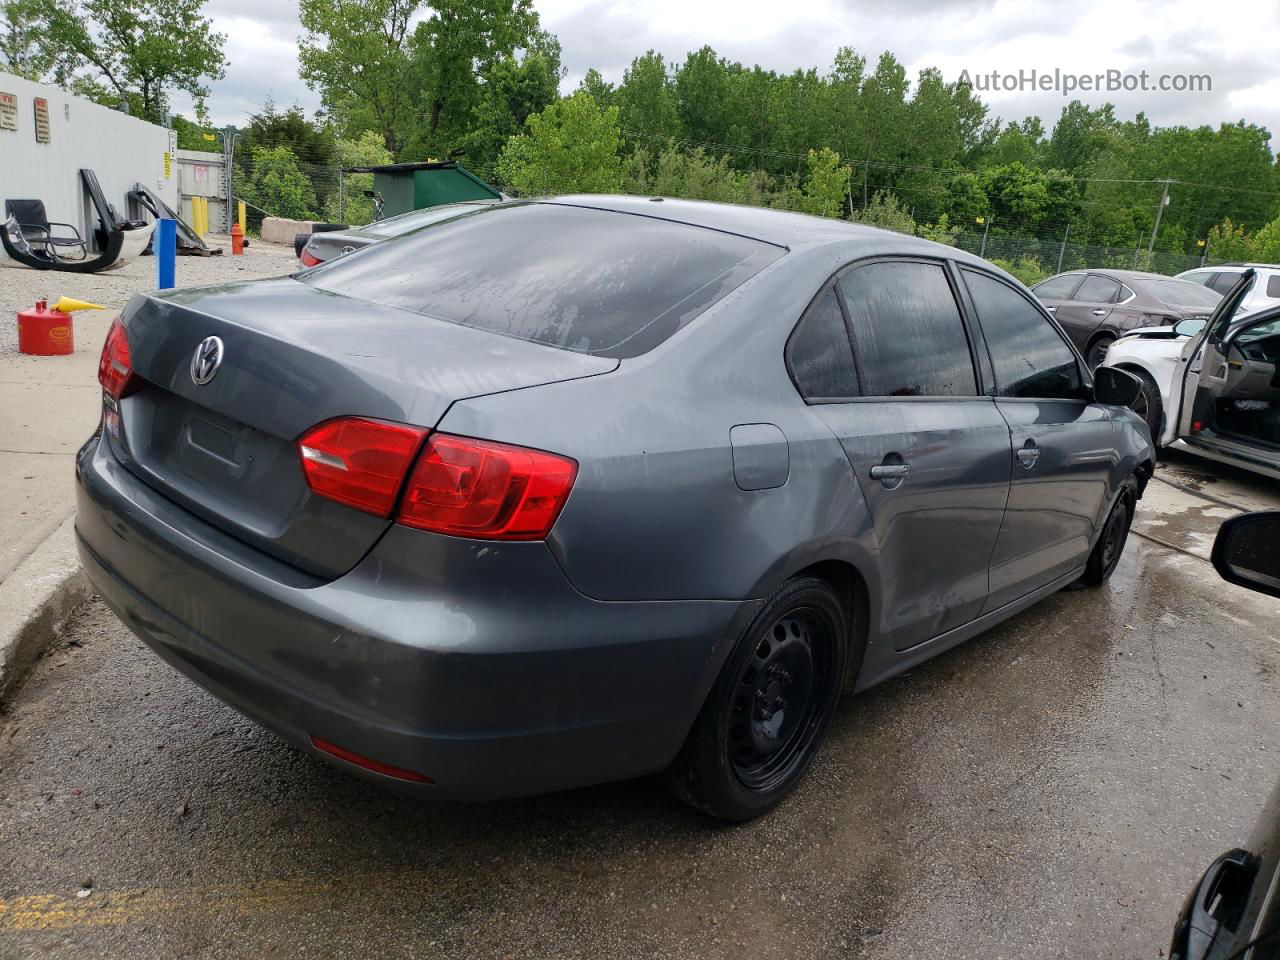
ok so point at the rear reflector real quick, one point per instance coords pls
(307, 259)
(486, 490)
(358, 462)
(386, 769)
(115, 366)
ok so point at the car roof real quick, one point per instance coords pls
(778, 227)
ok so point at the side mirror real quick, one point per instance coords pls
(1114, 387)
(1189, 327)
(1247, 551)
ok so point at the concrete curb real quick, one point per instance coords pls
(37, 599)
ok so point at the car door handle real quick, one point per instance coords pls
(1052, 309)
(890, 471)
(1099, 313)
(1028, 454)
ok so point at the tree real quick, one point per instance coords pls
(886, 211)
(511, 89)
(139, 50)
(350, 205)
(25, 46)
(355, 53)
(825, 184)
(647, 103)
(571, 146)
(452, 50)
(692, 174)
(277, 186)
(597, 88)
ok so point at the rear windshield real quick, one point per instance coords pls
(594, 281)
(1182, 293)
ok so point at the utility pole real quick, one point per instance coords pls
(1062, 250)
(1164, 202)
(986, 225)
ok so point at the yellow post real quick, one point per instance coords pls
(241, 215)
(204, 216)
(195, 216)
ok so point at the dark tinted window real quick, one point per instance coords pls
(907, 335)
(1098, 290)
(818, 353)
(1057, 288)
(1029, 356)
(1223, 282)
(1273, 286)
(588, 280)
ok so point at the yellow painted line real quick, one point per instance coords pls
(111, 908)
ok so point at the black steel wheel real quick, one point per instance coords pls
(769, 710)
(1111, 541)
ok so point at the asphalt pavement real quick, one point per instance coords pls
(1052, 788)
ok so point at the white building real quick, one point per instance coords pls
(47, 135)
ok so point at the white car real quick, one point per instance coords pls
(1212, 388)
(1264, 293)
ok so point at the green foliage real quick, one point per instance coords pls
(570, 147)
(133, 50)
(886, 211)
(940, 232)
(276, 185)
(512, 89)
(192, 135)
(26, 49)
(646, 103)
(1227, 241)
(825, 183)
(350, 205)
(692, 174)
(1027, 269)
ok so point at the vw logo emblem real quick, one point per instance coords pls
(206, 360)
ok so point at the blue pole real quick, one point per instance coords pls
(164, 243)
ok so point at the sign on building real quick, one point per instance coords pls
(8, 111)
(42, 120)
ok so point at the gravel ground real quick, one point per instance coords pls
(21, 287)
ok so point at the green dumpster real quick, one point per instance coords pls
(416, 186)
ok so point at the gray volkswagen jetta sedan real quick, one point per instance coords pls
(562, 492)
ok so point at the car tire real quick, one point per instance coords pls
(1097, 351)
(766, 716)
(1149, 405)
(1106, 553)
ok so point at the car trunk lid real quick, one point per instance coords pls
(293, 356)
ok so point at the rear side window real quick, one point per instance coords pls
(818, 353)
(1273, 286)
(1029, 357)
(594, 281)
(1098, 290)
(908, 338)
(1057, 288)
(1223, 282)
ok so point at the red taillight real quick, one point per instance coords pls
(115, 367)
(368, 763)
(307, 259)
(359, 462)
(487, 490)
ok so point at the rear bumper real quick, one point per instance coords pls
(475, 664)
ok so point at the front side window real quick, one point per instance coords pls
(818, 353)
(1097, 289)
(908, 338)
(1028, 355)
(1057, 288)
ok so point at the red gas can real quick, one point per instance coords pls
(45, 332)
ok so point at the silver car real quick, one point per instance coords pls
(575, 490)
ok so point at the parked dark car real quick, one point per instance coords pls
(570, 491)
(1095, 307)
(321, 247)
(1234, 911)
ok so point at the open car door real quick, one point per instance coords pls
(1204, 371)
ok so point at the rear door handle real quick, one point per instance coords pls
(1052, 309)
(1028, 454)
(1099, 313)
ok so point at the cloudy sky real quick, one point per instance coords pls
(1233, 41)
